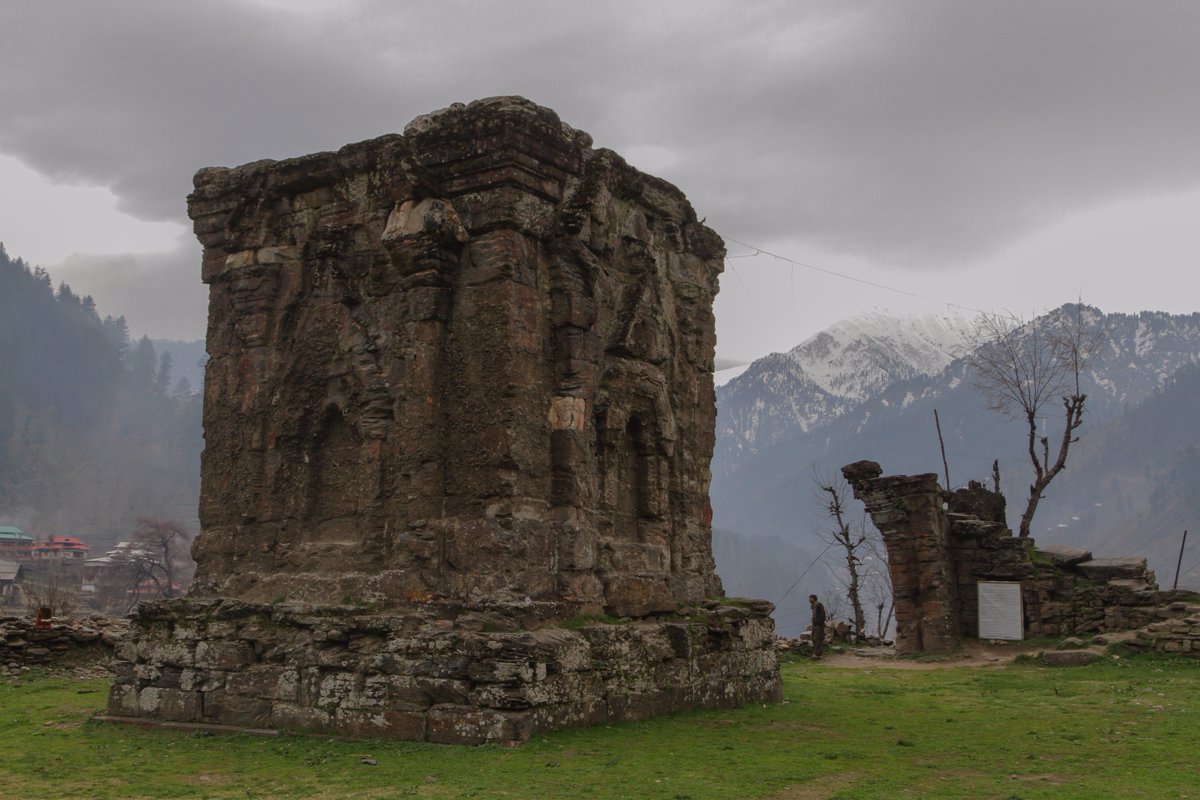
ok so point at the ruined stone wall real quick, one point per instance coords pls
(941, 545)
(907, 510)
(1177, 633)
(474, 361)
(23, 644)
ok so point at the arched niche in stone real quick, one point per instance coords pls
(335, 458)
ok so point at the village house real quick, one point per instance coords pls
(15, 544)
(61, 547)
(26, 563)
(10, 583)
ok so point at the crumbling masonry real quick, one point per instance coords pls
(458, 417)
(941, 545)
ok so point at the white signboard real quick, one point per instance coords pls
(1000, 614)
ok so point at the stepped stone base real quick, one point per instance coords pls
(442, 675)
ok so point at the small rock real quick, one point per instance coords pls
(1063, 555)
(1108, 568)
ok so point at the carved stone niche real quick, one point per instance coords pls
(459, 407)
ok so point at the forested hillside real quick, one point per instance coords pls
(95, 432)
(1134, 485)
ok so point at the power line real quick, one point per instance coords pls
(797, 263)
(802, 574)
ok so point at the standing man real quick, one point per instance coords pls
(818, 625)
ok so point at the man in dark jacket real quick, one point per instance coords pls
(818, 625)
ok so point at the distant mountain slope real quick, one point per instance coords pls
(765, 458)
(767, 568)
(1134, 485)
(786, 394)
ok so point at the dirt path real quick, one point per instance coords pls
(971, 654)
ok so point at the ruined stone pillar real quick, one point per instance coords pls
(460, 384)
(907, 510)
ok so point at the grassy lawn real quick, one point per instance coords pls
(1125, 729)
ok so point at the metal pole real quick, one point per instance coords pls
(1179, 563)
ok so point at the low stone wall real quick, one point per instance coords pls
(1180, 635)
(24, 645)
(1064, 590)
(411, 676)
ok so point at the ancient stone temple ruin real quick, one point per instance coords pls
(941, 545)
(458, 418)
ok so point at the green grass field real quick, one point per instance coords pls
(1129, 728)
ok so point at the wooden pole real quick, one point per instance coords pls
(1179, 563)
(942, 445)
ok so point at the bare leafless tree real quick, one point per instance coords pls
(160, 558)
(877, 585)
(850, 538)
(52, 584)
(1022, 368)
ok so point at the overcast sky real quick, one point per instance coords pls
(1000, 155)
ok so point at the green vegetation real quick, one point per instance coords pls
(1121, 729)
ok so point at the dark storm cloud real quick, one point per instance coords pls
(913, 133)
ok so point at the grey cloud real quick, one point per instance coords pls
(917, 133)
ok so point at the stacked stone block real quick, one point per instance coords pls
(1173, 635)
(907, 510)
(298, 667)
(24, 644)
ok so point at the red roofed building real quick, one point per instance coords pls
(61, 547)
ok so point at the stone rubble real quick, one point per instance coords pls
(1180, 634)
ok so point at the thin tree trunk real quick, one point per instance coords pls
(1073, 408)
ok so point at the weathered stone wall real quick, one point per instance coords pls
(941, 545)
(461, 378)
(296, 667)
(1172, 635)
(907, 510)
(468, 362)
(23, 644)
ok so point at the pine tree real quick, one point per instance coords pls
(162, 380)
(143, 365)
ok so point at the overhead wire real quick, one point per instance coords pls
(802, 574)
(844, 276)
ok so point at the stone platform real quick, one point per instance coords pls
(447, 675)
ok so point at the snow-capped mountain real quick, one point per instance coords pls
(823, 377)
(857, 357)
(867, 389)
